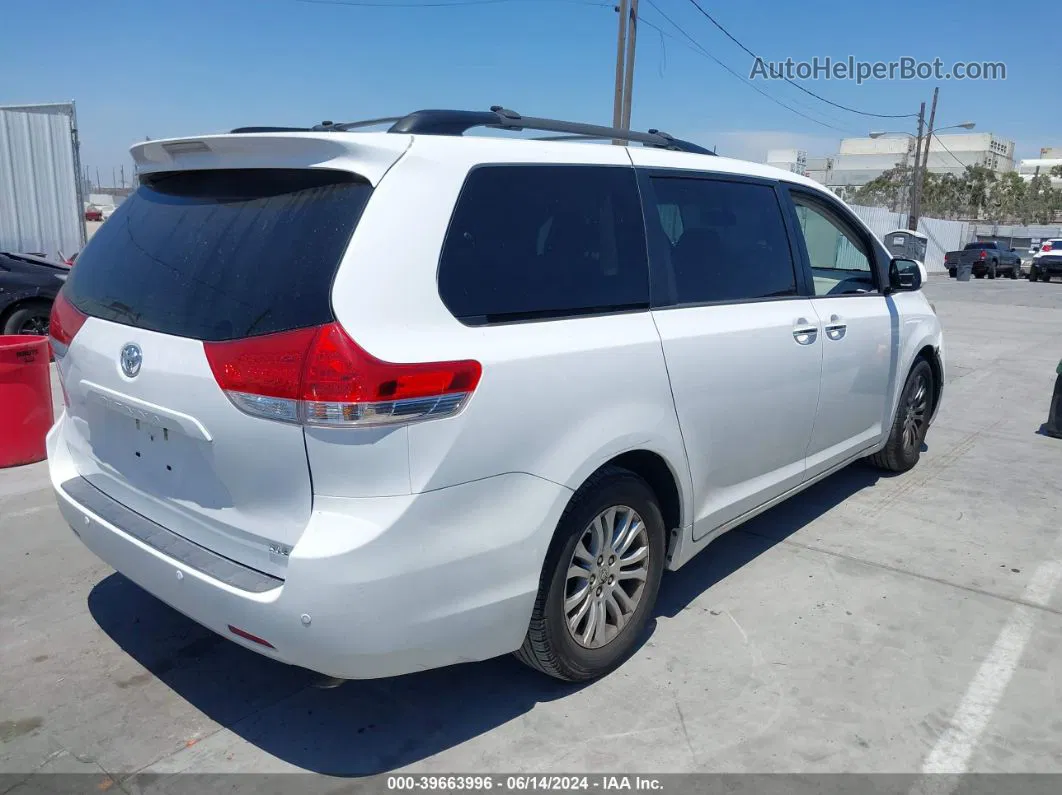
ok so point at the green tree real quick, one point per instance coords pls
(1041, 201)
(890, 189)
(978, 181)
(1006, 198)
(943, 196)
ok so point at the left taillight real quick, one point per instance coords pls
(320, 376)
(64, 323)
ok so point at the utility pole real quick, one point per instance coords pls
(628, 81)
(914, 169)
(123, 175)
(913, 224)
(621, 43)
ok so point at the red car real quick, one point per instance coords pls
(93, 214)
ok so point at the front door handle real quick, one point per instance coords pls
(835, 330)
(805, 333)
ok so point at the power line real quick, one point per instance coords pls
(953, 156)
(699, 50)
(730, 36)
(697, 47)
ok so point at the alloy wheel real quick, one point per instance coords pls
(35, 325)
(606, 576)
(916, 410)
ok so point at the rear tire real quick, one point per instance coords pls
(1032, 275)
(30, 317)
(1015, 272)
(992, 270)
(979, 276)
(582, 542)
(951, 273)
(1045, 276)
(911, 422)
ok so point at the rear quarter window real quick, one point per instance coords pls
(529, 242)
(221, 254)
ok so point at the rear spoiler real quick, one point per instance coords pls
(369, 155)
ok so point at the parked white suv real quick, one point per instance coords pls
(376, 402)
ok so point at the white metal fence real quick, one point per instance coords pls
(943, 235)
(40, 206)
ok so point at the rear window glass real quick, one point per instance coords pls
(974, 246)
(530, 242)
(223, 254)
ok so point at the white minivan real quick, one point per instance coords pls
(376, 402)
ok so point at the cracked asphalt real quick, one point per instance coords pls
(871, 624)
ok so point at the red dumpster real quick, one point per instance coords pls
(25, 398)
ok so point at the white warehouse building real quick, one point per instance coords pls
(861, 160)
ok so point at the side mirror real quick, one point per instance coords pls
(905, 275)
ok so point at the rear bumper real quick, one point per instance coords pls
(1051, 265)
(375, 587)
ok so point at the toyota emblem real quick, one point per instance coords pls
(131, 358)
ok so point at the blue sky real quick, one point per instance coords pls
(160, 69)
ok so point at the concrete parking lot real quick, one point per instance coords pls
(872, 624)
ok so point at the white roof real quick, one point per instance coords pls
(372, 154)
(908, 232)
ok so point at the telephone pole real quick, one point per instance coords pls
(621, 43)
(625, 46)
(913, 193)
(912, 221)
(628, 81)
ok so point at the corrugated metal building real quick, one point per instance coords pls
(40, 194)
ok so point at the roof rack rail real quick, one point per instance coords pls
(458, 122)
(269, 129)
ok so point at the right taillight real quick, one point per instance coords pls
(63, 324)
(320, 376)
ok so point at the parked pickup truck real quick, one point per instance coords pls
(986, 257)
(1047, 262)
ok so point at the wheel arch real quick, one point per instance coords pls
(18, 302)
(669, 483)
(932, 355)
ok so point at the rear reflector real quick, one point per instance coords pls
(248, 636)
(320, 376)
(65, 322)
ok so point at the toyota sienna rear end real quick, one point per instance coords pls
(229, 445)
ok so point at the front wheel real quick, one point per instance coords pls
(1015, 272)
(1032, 275)
(1045, 276)
(600, 579)
(904, 446)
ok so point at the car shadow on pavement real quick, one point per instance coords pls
(733, 550)
(376, 726)
(358, 729)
